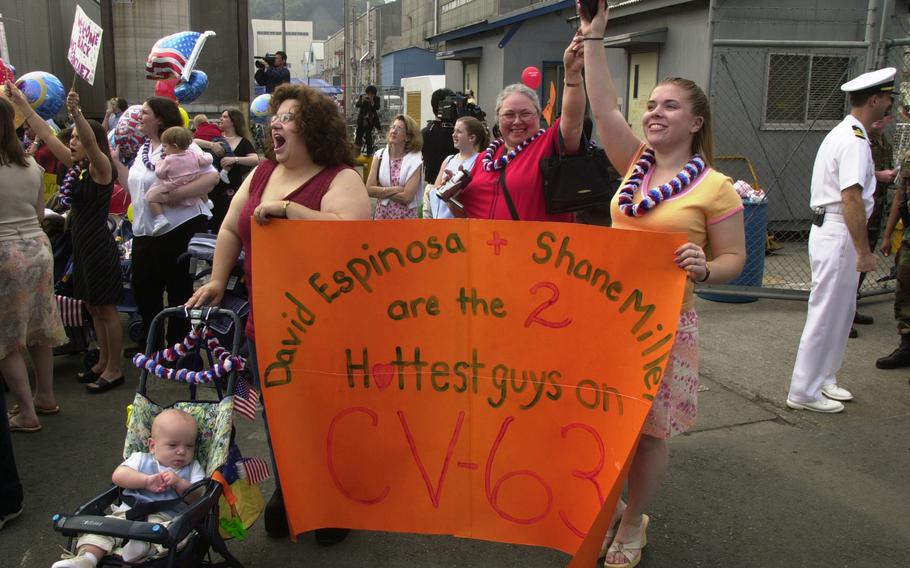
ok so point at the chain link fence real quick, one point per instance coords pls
(772, 107)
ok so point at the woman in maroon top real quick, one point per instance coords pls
(310, 177)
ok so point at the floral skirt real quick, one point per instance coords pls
(675, 407)
(28, 310)
(394, 210)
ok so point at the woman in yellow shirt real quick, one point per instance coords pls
(669, 186)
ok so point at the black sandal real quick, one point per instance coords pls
(103, 385)
(87, 376)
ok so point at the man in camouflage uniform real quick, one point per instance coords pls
(882, 155)
(901, 356)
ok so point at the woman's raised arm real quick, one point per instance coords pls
(617, 138)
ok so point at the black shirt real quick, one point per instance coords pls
(271, 77)
(437, 145)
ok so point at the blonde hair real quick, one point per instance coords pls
(412, 132)
(178, 136)
(703, 140)
(199, 120)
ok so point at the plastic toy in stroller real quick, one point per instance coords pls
(200, 526)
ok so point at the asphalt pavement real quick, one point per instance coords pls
(755, 485)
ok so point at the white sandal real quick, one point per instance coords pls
(631, 551)
(611, 534)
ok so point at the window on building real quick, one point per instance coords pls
(803, 90)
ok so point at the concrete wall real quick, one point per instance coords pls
(137, 26)
(38, 36)
(843, 20)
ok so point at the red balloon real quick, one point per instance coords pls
(531, 77)
(165, 88)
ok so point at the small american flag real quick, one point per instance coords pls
(246, 399)
(254, 470)
(172, 54)
(70, 311)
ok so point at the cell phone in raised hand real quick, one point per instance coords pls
(588, 8)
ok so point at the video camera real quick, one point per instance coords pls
(268, 58)
(456, 106)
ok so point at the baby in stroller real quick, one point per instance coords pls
(167, 470)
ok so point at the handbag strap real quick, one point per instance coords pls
(505, 192)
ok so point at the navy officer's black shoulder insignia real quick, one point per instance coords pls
(858, 132)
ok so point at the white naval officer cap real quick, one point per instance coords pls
(880, 80)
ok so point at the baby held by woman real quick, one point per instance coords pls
(180, 166)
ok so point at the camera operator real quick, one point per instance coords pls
(272, 71)
(367, 119)
(437, 135)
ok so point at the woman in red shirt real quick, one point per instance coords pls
(509, 168)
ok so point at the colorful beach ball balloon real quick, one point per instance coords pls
(43, 91)
(127, 138)
(259, 108)
(189, 91)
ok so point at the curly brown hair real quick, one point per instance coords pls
(320, 122)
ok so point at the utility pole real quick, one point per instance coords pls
(348, 54)
(284, 15)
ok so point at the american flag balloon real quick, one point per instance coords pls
(175, 55)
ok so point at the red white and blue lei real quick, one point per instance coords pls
(144, 153)
(655, 195)
(66, 188)
(226, 362)
(489, 165)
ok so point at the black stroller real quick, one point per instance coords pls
(198, 523)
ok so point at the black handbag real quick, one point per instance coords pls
(574, 183)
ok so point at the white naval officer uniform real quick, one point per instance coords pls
(843, 160)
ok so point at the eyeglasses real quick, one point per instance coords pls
(283, 118)
(524, 115)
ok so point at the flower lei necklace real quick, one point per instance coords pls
(489, 165)
(226, 361)
(145, 156)
(693, 168)
(66, 188)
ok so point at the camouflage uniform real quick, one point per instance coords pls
(902, 290)
(882, 153)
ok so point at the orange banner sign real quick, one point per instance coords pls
(485, 379)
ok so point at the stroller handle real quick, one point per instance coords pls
(196, 316)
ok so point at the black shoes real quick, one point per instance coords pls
(900, 357)
(853, 333)
(862, 319)
(275, 517)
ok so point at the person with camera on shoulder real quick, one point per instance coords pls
(437, 135)
(272, 71)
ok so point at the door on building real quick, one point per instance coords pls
(413, 103)
(642, 80)
(472, 77)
